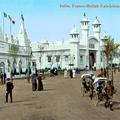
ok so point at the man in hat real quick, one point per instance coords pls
(40, 84)
(109, 91)
(34, 77)
(9, 85)
(9, 88)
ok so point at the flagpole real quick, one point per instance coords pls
(10, 30)
(3, 28)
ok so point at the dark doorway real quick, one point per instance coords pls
(91, 60)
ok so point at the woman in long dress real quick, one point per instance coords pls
(34, 77)
(65, 74)
(40, 84)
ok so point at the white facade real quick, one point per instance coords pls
(15, 52)
(78, 52)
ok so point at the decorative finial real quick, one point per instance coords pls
(96, 17)
(74, 25)
(84, 14)
(22, 17)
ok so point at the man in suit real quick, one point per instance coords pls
(9, 84)
(9, 88)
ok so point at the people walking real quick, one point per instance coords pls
(74, 73)
(105, 73)
(9, 85)
(40, 84)
(109, 91)
(71, 73)
(9, 88)
(1, 78)
(28, 72)
(34, 78)
(101, 74)
(4, 77)
(65, 73)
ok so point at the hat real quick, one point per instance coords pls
(8, 79)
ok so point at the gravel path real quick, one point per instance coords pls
(60, 100)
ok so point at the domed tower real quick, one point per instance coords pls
(96, 34)
(74, 52)
(74, 35)
(84, 41)
(96, 29)
(85, 30)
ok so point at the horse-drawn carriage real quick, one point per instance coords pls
(100, 87)
(87, 79)
(91, 84)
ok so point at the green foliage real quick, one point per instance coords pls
(109, 48)
(46, 69)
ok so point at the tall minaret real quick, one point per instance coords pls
(96, 34)
(96, 29)
(74, 52)
(85, 30)
(22, 35)
(74, 35)
(84, 41)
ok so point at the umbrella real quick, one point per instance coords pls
(86, 76)
(100, 80)
(90, 76)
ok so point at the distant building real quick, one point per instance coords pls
(78, 52)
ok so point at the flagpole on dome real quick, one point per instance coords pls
(22, 17)
(10, 19)
(4, 16)
(11, 22)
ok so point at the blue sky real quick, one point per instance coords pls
(44, 19)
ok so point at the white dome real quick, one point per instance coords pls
(96, 22)
(45, 41)
(74, 30)
(85, 18)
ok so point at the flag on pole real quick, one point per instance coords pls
(22, 17)
(5, 15)
(13, 22)
(9, 18)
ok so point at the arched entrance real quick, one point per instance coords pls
(14, 66)
(91, 59)
(20, 66)
(2, 67)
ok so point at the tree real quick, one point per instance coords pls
(109, 49)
